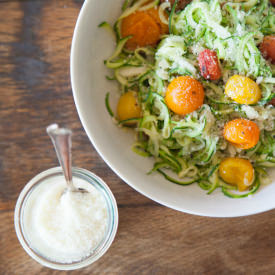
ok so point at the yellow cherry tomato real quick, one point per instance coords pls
(242, 89)
(128, 107)
(237, 171)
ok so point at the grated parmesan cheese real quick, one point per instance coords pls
(250, 112)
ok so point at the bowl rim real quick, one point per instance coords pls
(115, 167)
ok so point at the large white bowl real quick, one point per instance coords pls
(90, 46)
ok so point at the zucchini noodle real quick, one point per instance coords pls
(189, 149)
(162, 8)
(149, 6)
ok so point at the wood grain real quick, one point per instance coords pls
(35, 39)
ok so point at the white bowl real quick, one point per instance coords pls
(90, 46)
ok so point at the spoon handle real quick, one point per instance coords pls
(61, 139)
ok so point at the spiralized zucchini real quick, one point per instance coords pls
(189, 149)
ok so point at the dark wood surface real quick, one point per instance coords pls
(35, 39)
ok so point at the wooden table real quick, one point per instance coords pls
(35, 39)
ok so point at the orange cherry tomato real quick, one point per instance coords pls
(267, 47)
(237, 171)
(242, 133)
(242, 89)
(154, 13)
(209, 65)
(184, 95)
(145, 28)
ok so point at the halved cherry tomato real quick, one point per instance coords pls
(145, 28)
(242, 133)
(209, 65)
(154, 13)
(184, 95)
(237, 171)
(128, 107)
(242, 89)
(267, 47)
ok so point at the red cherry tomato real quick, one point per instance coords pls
(180, 5)
(267, 47)
(209, 65)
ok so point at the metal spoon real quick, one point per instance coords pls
(62, 141)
